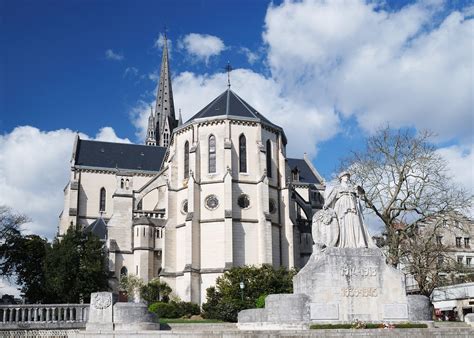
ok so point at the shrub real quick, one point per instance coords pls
(260, 303)
(174, 309)
(163, 310)
(155, 291)
(226, 299)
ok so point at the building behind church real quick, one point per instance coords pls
(198, 198)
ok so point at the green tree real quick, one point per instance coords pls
(155, 291)
(227, 298)
(22, 256)
(75, 266)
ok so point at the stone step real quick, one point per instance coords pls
(442, 324)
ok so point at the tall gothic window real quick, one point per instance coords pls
(242, 154)
(102, 200)
(186, 159)
(269, 158)
(212, 154)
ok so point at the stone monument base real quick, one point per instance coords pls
(340, 285)
(107, 315)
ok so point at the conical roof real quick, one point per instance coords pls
(229, 104)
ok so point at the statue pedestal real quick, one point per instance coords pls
(339, 285)
(345, 284)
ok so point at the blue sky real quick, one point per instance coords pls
(328, 72)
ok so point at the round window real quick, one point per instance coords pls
(184, 207)
(212, 202)
(272, 206)
(243, 201)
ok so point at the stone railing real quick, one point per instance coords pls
(43, 316)
(149, 213)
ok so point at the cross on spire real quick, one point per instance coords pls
(228, 69)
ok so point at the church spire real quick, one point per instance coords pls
(180, 119)
(151, 131)
(164, 109)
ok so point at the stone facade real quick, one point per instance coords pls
(222, 193)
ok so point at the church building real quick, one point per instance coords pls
(197, 198)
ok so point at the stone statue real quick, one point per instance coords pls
(344, 201)
(325, 229)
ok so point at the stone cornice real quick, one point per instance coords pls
(114, 171)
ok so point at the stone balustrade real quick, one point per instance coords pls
(43, 316)
(148, 213)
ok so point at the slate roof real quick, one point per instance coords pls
(98, 228)
(118, 155)
(306, 174)
(230, 104)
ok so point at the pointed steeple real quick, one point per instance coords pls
(180, 119)
(151, 131)
(164, 109)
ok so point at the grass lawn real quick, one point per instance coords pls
(188, 321)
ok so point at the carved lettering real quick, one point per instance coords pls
(359, 292)
(349, 270)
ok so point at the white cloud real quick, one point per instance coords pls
(202, 46)
(107, 134)
(34, 168)
(130, 71)
(376, 65)
(252, 57)
(460, 164)
(111, 55)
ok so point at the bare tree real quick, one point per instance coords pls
(406, 181)
(10, 221)
(427, 258)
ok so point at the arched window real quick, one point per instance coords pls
(140, 205)
(242, 154)
(121, 183)
(123, 271)
(127, 183)
(269, 158)
(212, 154)
(102, 200)
(186, 159)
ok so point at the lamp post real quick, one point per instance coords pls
(242, 286)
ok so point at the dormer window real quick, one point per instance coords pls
(296, 174)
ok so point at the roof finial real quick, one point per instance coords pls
(165, 30)
(228, 68)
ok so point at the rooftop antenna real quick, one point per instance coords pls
(228, 68)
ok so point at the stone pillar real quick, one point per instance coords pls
(101, 313)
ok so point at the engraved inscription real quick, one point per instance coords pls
(101, 300)
(359, 292)
(368, 271)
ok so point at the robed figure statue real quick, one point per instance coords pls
(341, 223)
